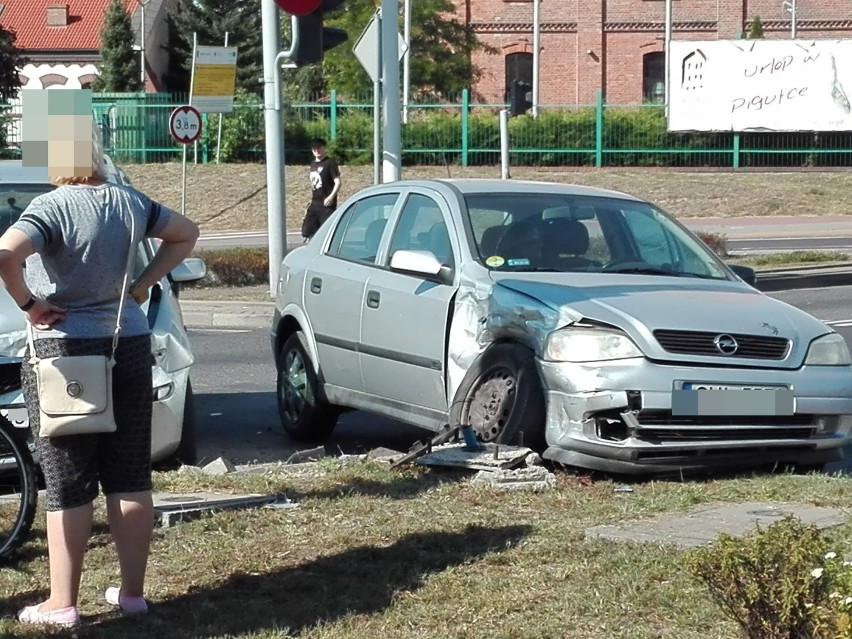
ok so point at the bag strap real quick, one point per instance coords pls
(124, 292)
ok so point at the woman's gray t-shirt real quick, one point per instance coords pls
(81, 235)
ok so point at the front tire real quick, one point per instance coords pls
(502, 399)
(305, 416)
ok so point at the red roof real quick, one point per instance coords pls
(28, 19)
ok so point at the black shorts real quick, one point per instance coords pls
(121, 461)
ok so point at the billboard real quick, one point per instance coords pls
(760, 85)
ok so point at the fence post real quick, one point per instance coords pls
(599, 129)
(465, 125)
(205, 146)
(333, 117)
(736, 150)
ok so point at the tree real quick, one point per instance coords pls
(11, 62)
(210, 20)
(120, 70)
(441, 49)
(755, 29)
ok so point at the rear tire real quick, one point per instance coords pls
(502, 399)
(305, 416)
(18, 489)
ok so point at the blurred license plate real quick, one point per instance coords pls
(702, 398)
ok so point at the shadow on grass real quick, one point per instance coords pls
(360, 581)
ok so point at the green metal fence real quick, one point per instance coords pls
(458, 131)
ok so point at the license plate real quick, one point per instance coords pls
(732, 400)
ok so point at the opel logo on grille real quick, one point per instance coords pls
(726, 344)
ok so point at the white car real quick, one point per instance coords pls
(174, 425)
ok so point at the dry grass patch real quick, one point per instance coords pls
(413, 554)
(233, 196)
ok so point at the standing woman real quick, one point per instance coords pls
(74, 241)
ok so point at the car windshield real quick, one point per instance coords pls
(14, 198)
(576, 233)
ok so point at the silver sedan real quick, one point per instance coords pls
(586, 324)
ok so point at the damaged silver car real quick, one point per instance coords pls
(173, 432)
(587, 324)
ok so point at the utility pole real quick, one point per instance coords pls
(668, 52)
(791, 7)
(142, 5)
(406, 61)
(536, 55)
(392, 132)
(274, 140)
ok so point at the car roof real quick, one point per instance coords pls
(484, 185)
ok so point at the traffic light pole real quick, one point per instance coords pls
(275, 190)
(392, 133)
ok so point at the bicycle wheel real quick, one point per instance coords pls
(18, 489)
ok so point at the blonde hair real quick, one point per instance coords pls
(98, 173)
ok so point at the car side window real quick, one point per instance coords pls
(359, 231)
(652, 242)
(422, 227)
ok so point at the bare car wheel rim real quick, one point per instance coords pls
(294, 385)
(491, 403)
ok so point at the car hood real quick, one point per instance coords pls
(641, 304)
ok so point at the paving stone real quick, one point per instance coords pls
(703, 524)
(490, 457)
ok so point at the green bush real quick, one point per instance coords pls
(235, 267)
(771, 583)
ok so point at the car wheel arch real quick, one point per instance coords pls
(292, 320)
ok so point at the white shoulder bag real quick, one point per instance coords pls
(75, 391)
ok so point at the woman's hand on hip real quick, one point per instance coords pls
(43, 314)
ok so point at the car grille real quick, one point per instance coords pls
(702, 343)
(10, 376)
(663, 426)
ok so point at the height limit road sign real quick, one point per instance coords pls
(185, 124)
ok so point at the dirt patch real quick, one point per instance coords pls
(230, 197)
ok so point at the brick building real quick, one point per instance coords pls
(618, 45)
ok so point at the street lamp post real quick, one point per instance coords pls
(142, 5)
(791, 7)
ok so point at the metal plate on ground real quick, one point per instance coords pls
(173, 508)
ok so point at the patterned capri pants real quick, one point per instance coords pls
(74, 464)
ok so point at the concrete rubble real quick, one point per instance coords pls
(488, 457)
(219, 466)
(310, 454)
(171, 509)
(530, 478)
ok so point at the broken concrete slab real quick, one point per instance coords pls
(310, 454)
(703, 524)
(171, 508)
(529, 478)
(490, 457)
(219, 466)
(382, 454)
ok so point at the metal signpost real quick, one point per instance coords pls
(185, 127)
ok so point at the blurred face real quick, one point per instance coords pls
(319, 152)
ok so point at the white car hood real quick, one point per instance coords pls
(641, 304)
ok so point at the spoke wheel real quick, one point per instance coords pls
(18, 490)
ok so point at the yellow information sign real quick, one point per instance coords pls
(213, 79)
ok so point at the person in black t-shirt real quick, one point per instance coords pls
(325, 184)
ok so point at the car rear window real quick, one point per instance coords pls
(14, 198)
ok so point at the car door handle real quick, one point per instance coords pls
(373, 299)
(316, 285)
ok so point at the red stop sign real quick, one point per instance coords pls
(299, 7)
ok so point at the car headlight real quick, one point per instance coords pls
(828, 350)
(589, 345)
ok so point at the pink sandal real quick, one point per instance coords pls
(65, 617)
(128, 605)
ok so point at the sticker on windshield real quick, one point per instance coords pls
(521, 261)
(495, 261)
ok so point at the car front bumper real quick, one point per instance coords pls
(618, 417)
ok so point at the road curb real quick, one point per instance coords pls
(212, 314)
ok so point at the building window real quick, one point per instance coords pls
(654, 77)
(519, 66)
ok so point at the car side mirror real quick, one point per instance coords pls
(422, 263)
(745, 273)
(191, 269)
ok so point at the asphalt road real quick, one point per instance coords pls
(234, 382)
